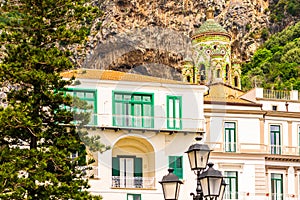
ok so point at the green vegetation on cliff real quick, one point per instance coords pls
(282, 8)
(277, 63)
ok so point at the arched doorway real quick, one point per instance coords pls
(133, 163)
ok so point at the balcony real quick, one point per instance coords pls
(283, 95)
(275, 149)
(262, 196)
(276, 94)
(133, 182)
(230, 146)
(156, 123)
(254, 148)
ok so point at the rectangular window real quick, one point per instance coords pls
(127, 172)
(176, 163)
(133, 110)
(230, 136)
(90, 96)
(277, 186)
(275, 139)
(274, 108)
(134, 197)
(174, 113)
(231, 179)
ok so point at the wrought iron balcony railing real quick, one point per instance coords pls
(133, 182)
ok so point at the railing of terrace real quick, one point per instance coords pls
(276, 94)
(133, 182)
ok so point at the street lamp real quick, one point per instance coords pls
(171, 185)
(210, 183)
(198, 155)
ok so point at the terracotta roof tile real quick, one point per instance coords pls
(116, 76)
(223, 93)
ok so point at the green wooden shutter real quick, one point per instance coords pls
(172, 162)
(115, 166)
(178, 170)
(138, 167)
(175, 162)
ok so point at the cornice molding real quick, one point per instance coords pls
(232, 111)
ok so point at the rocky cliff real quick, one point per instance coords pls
(138, 33)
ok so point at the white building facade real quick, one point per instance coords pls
(149, 123)
(256, 144)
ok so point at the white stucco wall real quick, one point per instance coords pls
(192, 96)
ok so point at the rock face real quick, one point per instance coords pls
(141, 33)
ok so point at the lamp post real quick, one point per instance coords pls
(210, 183)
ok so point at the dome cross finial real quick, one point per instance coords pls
(210, 13)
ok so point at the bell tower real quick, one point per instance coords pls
(211, 61)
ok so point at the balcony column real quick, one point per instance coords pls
(291, 181)
(286, 189)
(259, 92)
(262, 134)
(207, 128)
(294, 95)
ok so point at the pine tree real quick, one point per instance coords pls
(37, 130)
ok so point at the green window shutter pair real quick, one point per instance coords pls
(87, 95)
(275, 140)
(174, 112)
(176, 163)
(133, 109)
(277, 186)
(138, 167)
(230, 136)
(231, 178)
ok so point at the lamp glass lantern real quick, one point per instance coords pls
(171, 186)
(211, 181)
(198, 156)
(222, 191)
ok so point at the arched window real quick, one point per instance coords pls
(227, 72)
(202, 72)
(218, 73)
(236, 81)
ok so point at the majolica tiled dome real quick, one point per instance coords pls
(210, 27)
